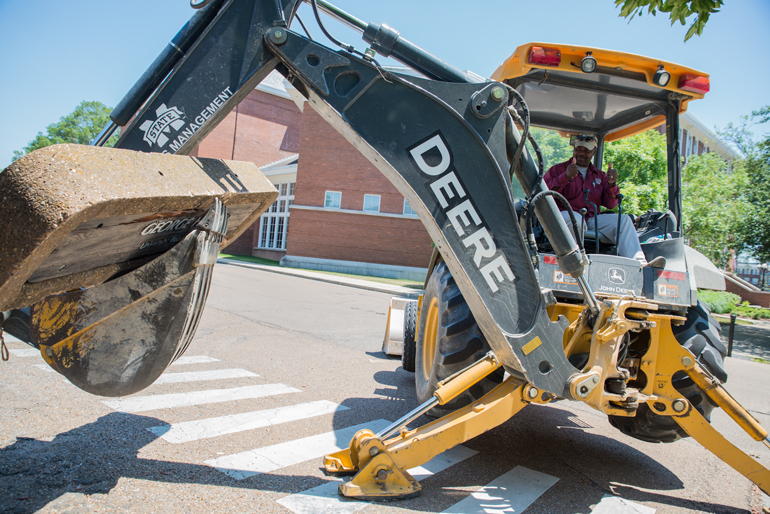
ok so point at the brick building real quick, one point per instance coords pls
(336, 211)
(345, 215)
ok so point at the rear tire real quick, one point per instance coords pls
(700, 335)
(448, 340)
(410, 328)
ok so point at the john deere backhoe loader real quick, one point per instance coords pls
(109, 252)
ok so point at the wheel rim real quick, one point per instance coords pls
(429, 339)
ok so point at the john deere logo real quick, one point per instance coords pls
(617, 276)
(168, 118)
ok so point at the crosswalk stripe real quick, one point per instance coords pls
(26, 352)
(213, 427)
(199, 376)
(617, 505)
(324, 498)
(270, 458)
(193, 359)
(511, 492)
(169, 401)
(47, 369)
(11, 339)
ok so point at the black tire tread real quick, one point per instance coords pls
(460, 343)
(410, 328)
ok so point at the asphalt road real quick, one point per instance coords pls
(304, 359)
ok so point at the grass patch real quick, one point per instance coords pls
(248, 258)
(760, 360)
(411, 284)
(725, 320)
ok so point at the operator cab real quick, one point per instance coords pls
(614, 95)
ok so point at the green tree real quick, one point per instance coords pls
(678, 10)
(641, 161)
(555, 148)
(714, 206)
(754, 229)
(81, 127)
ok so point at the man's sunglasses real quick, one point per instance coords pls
(580, 137)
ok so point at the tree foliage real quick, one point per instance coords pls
(754, 229)
(641, 161)
(678, 10)
(713, 206)
(555, 148)
(81, 127)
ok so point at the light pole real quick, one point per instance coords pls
(763, 266)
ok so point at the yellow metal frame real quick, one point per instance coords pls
(380, 465)
(516, 66)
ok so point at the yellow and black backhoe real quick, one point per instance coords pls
(106, 261)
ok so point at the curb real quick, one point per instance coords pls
(323, 277)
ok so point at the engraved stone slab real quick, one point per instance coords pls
(73, 216)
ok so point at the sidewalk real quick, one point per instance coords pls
(327, 277)
(749, 342)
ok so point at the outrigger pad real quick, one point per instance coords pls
(75, 216)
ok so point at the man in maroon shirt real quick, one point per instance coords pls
(573, 177)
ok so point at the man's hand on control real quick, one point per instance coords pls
(572, 169)
(612, 175)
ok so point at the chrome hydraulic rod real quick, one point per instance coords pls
(588, 294)
(406, 419)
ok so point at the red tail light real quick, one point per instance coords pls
(544, 56)
(694, 83)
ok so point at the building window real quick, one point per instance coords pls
(372, 203)
(275, 221)
(408, 211)
(333, 200)
(755, 280)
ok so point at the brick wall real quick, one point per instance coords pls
(358, 237)
(262, 129)
(761, 298)
(329, 163)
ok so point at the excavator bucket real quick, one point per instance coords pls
(113, 251)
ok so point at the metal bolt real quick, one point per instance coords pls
(595, 380)
(497, 94)
(679, 406)
(278, 34)
(382, 474)
(374, 451)
(583, 391)
(532, 393)
(687, 361)
(49, 351)
(369, 54)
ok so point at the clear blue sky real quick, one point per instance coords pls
(57, 53)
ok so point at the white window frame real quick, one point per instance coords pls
(371, 208)
(274, 223)
(328, 195)
(408, 209)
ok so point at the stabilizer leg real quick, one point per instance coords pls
(380, 464)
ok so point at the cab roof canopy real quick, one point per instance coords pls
(624, 95)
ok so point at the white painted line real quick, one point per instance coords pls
(512, 492)
(617, 505)
(200, 376)
(48, 369)
(213, 427)
(12, 339)
(170, 401)
(26, 352)
(193, 359)
(324, 498)
(270, 458)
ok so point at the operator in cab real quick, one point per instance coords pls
(582, 184)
